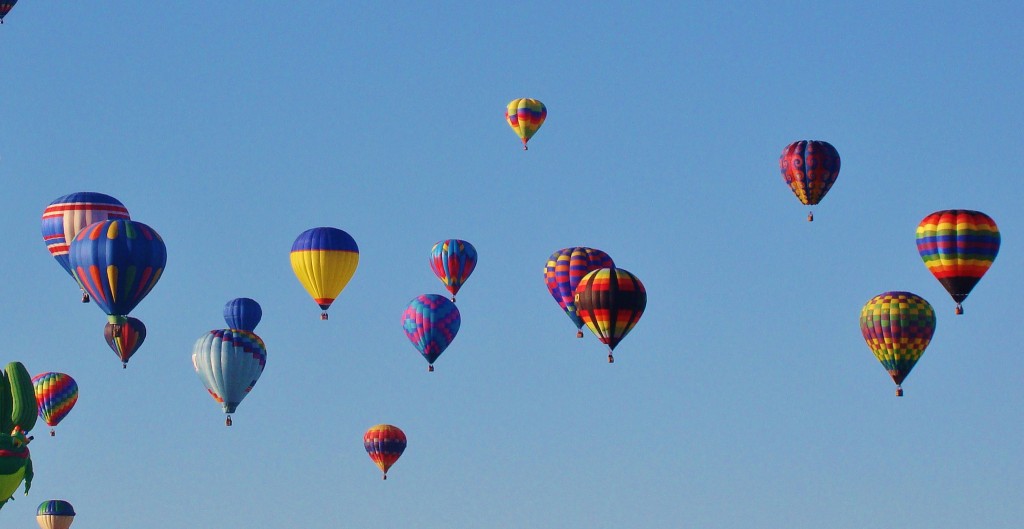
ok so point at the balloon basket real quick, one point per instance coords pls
(124, 365)
(611, 359)
(227, 422)
(453, 299)
(959, 309)
(85, 297)
(579, 334)
(810, 217)
(899, 391)
(430, 368)
(385, 477)
(52, 433)
(323, 315)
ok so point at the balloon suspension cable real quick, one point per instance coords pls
(611, 359)
(810, 217)
(323, 315)
(899, 390)
(227, 422)
(959, 309)
(430, 368)
(579, 333)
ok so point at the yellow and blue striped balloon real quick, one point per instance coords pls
(324, 260)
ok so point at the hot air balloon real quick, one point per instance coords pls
(229, 362)
(897, 327)
(18, 415)
(385, 444)
(66, 216)
(118, 262)
(125, 338)
(55, 514)
(810, 168)
(5, 7)
(431, 323)
(56, 394)
(610, 302)
(243, 313)
(452, 260)
(958, 246)
(525, 116)
(324, 260)
(563, 272)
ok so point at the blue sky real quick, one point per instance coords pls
(745, 397)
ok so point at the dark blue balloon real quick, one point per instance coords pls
(243, 314)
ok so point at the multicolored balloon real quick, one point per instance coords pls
(563, 272)
(5, 7)
(243, 313)
(385, 444)
(525, 116)
(897, 327)
(125, 338)
(55, 514)
(324, 260)
(431, 323)
(229, 362)
(67, 215)
(810, 167)
(958, 247)
(610, 302)
(56, 394)
(452, 261)
(118, 262)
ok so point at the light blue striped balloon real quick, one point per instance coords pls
(229, 362)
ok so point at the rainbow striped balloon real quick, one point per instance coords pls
(452, 261)
(809, 167)
(525, 116)
(958, 246)
(56, 394)
(431, 322)
(563, 272)
(324, 260)
(385, 444)
(610, 302)
(897, 327)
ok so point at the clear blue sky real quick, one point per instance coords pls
(745, 397)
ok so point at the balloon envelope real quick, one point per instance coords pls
(67, 215)
(525, 116)
(958, 246)
(5, 7)
(385, 444)
(56, 394)
(610, 302)
(324, 260)
(125, 338)
(243, 313)
(431, 322)
(563, 272)
(897, 327)
(452, 261)
(229, 362)
(55, 514)
(809, 167)
(118, 262)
